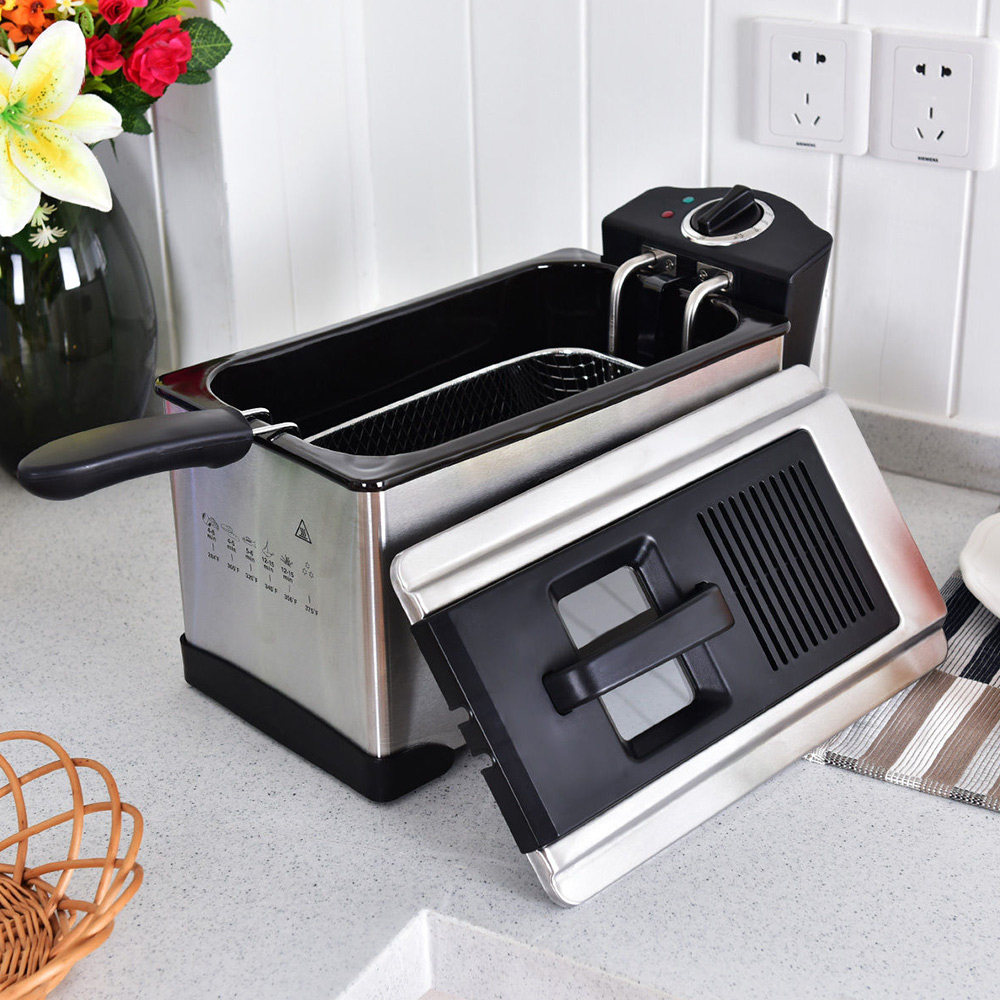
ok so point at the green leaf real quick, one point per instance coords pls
(209, 43)
(86, 21)
(194, 76)
(126, 96)
(142, 17)
(136, 124)
(93, 83)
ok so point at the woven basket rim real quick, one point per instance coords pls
(78, 926)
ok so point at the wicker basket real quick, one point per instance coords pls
(44, 932)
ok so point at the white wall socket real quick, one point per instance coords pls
(812, 84)
(936, 99)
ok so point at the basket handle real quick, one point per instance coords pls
(90, 460)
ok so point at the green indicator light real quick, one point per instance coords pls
(688, 199)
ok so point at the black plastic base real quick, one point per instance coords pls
(380, 779)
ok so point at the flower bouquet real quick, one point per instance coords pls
(77, 72)
(77, 325)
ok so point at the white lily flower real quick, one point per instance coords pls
(45, 125)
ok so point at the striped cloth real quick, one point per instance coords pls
(941, 734)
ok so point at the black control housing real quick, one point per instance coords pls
(782, 269)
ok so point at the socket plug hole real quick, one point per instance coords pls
(797, 56)
(820, 58)
(946, 71)
(921, 68)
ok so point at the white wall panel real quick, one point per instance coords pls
(895, 284)
(528, 127)
(358, 143)
(316, 170)
(647, 110)
(420, 133)
(195, 221)
(258, 198)
(978, 401)
(253, 131)
(898, 274)
(807, 178)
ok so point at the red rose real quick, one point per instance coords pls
(115, 11)
(159, 57)
(104, 55)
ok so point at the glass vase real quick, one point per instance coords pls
(77, 327)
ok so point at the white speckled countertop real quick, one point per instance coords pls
(265, 878)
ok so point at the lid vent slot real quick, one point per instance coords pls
(781, 553)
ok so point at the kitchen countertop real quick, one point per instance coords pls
(266, 878)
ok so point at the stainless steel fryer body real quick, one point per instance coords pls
(317, 619)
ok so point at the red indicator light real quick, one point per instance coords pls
(667, 214)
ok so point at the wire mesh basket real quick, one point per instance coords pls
(43, 931)
(473, 402)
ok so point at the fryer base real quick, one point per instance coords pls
(380, 779)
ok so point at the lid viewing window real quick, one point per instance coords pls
(615, 600)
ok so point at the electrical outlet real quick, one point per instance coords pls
(811, 85)
(936, 99)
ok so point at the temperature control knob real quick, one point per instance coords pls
(736, 211)
(739, 215)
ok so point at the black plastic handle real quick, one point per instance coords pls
(703, 615)
(81, 463)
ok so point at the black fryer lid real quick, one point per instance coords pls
(787, 591)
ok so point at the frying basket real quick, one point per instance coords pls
(474, 401)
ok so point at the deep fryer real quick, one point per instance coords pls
(436, 430)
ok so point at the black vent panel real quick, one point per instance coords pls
(788, 563)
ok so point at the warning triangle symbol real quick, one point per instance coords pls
(303, 532)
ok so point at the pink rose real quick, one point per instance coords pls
(116, 11)
(104, 55)
(159, 57)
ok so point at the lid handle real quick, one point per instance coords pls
(703, 615)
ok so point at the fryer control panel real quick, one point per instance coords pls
(775, 257)
(269, 565)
